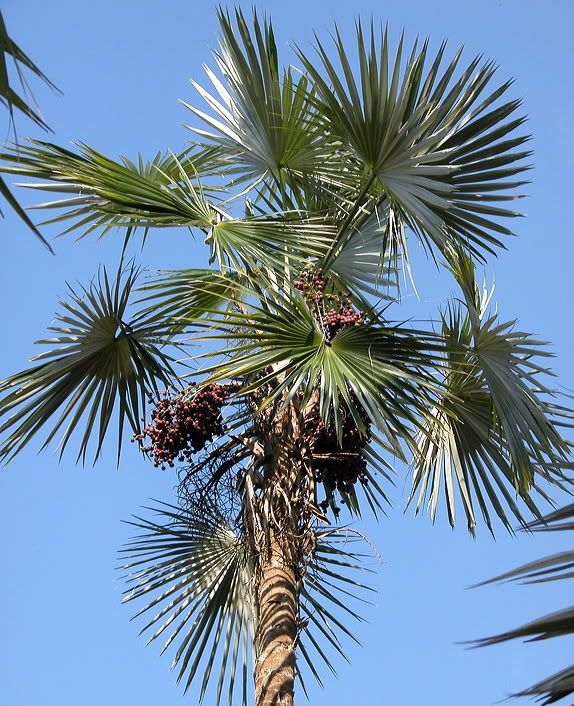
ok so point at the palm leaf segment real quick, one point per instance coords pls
(264, 117)
(430, 143)
(556, 567)
(197, 577)
(495, 431)
(104, 193)
(98, 360)
(11, 99)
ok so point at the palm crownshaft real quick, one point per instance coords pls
(334, 169)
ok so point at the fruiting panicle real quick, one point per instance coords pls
(337, 464)
(183, 424)
(333, 309)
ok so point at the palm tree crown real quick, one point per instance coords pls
(308, 184)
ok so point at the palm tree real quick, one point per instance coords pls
(308, 185)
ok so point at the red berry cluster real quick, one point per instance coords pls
(312, 283)
(183, 424)
(337, 465)
(335, 320)
(334, 310)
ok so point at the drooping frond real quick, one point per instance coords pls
(330, 595)
(100, 193)
(496, 430)
(197, 577)
(12, 100)
(22, 62)
(99, 364)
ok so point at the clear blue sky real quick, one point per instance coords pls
(64, 638)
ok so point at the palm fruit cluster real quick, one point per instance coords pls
(337, 319)
(338, 465)
(333, 309)
(182, 424)
(313, 283)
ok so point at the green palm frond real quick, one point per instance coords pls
(8, 96)
(11, 99)
(10, 198)
(329, 596)
(263, 115)
(98, 363)
(278, 242)
(387, 368)
(429, 141)
(551, 568)
(181, 295)
(100, 193)
(198, 579)
(511, 363)
(197, 575)
(197, 161)
(495, 432)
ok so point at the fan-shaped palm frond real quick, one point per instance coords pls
(103, 193)
(263, 115)
(98, 361)
(198, 578)
(388, 369)
(496, 431)
(551, 568)
(431, 142)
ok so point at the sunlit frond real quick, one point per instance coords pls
(496, 432)
(99, 364)
(431, 140)
(100, 193)
(263, 114)
(388, 369)
(365, 262)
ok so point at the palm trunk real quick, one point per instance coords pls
(276, 628)
(278, 576)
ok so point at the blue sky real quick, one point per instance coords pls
(64, 638)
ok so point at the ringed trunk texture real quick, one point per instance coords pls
(276, 628)
(277, 589)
